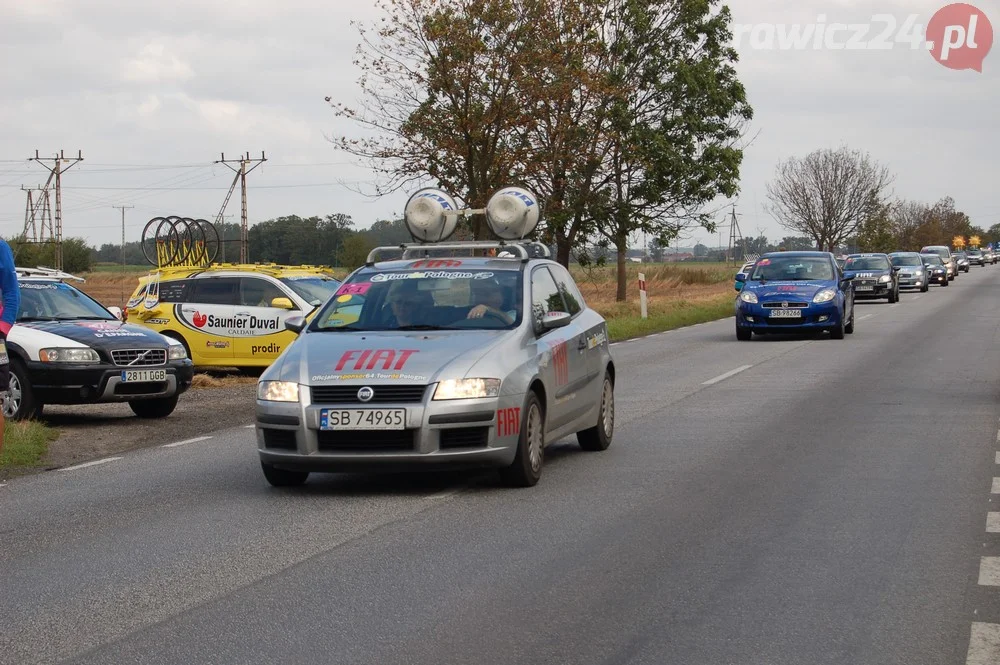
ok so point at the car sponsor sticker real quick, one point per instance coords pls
(216, 344)
(396, 276)
(111, 330)
(236, 326)
(509, 421)
(37, 286)
(436, 263)
(353, 289)
(560, 362)
(157, 322)
(368, 376)
(596, 340)
(265, 348)
(391, 359)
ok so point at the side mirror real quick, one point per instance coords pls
(895, 268)
(847, 278)
(282, 303)
(554, 320)
(742, 277)
(295, 323)
(117, 311)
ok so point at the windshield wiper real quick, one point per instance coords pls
(89, 318)
(340, 328)
(37, 318)
(423, 327)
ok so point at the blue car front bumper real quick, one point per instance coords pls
(756, 317)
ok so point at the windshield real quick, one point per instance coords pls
(866, 263)
(425, 300)
(55, 301)
(906, 261)
(315, 289)
(959, 255)
(975, 252)
(932, 259)
(793, 268)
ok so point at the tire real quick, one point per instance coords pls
(838, 332)
(599, 436)
(283, 477)
(849, 328)
(21, 403)
(744, 334)
(154, 408)
(526, 468)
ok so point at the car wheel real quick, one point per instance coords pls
(20, 403)
(154, 408)
(849, 328)
(743, 334)
(526, 468)
(283, 477)
(599, 437)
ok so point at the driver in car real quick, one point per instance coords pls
(409, 304)
(489, 296)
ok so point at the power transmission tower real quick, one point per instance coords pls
(241, 178)
(735, 236)
(56, 171)
(38, 213)
(123, 208)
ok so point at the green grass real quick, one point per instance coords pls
(111, 267)
(677, 314)
(25, 445)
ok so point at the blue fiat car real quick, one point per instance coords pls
(793, 292)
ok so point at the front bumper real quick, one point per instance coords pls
(912, 281)
(878, 289)
(91, 384)
(814, 317)
(459, 433)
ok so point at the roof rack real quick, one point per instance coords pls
(524, 251)
(46, 272)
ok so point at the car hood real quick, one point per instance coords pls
(414, 358)
(787, 289)
(104, 334)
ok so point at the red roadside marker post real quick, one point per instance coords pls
(642, 294)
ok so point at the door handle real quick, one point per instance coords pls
(582, 344)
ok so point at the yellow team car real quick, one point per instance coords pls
(231, 315)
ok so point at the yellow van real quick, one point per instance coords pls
(230, 315)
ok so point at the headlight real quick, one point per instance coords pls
(278, 391)
(467, 388)
(72, 355)
(748, 296)
(918, 273)
(176, 352)
(885, 279)
(826, 295)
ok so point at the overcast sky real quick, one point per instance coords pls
(152, 93)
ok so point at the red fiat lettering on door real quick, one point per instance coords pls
(390, 359)
(560, 361)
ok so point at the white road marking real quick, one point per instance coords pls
(723, 377)
(917, 297)
(996, 486)
(989, 571)
(984, 644)
(998, 436)
(187, 441)
(896, 305)
(992, 522)
(94, 463)
(249, 426)
(866, 316)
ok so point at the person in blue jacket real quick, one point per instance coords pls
(10, 302)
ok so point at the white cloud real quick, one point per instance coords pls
(155, 64)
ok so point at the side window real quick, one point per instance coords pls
(570, 293)
(545, 296)
(175, 291)
(215, 291)
(257, 292)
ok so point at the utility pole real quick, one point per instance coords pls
(241, 178)
(735, 235)
(56, 170)
(38, 210)
(123, 209)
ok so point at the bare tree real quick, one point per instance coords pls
(828, 194)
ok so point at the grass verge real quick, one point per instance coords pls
(25, 446)
(670, 315)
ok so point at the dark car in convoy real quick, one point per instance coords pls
(937, 270)
(962, 260)
(950, 264)
(913, 274)
(795, 292)
(977, 257)
(874, 276)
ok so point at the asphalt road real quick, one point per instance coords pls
(827, 503)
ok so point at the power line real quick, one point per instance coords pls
(241, 178)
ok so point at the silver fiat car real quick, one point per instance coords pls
(420, 362)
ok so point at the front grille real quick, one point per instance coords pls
(366, 441)
(136, 357)
(867, 282)
(786, 304)
(465, 437)
(145, 388)
(282, 439)
(905, 275)
(383, 394)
